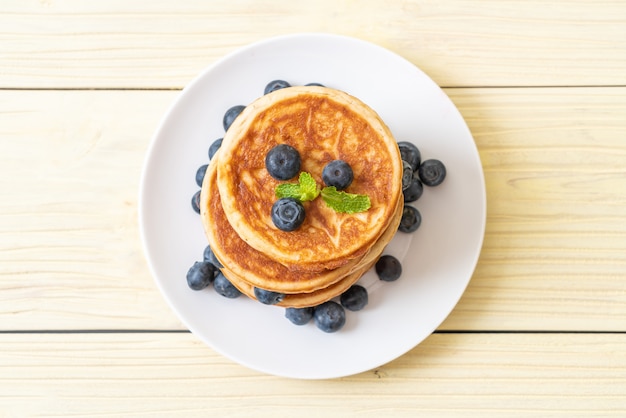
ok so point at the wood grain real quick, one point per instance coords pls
(448, 375)
(71, 165)
(556, 190)
(161, 44)
(554, 255)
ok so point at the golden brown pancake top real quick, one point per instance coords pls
(323, 125)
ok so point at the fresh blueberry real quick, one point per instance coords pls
(195, 202)
(414, 191)
(388, 268)
(214, 147)
(410, 153)
(432, 172)
(299, 316)
(276, 85)
(224, 287)
(329, 316)
(337, 173)
(209, 256)
(283, 162)
(355, 298)
(231, 114)
(200, 174)
(407, 175)
(287, 214)
(267, 297)
(315, 84)
(200, 275)
(411, 219)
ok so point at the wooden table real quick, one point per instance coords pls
(541, 330)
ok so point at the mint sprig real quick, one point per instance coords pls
(306, 189)
(344, 202)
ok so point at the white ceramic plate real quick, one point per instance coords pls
(438, 259)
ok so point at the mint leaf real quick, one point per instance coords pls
(288, 190)
(306, 188)
(344, 202)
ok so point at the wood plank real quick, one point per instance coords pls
(554, 256)
(556, 189)
(71, 165)
(448, 375)
(149, 43)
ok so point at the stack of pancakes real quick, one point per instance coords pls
(330, 251)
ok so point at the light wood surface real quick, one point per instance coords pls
(541, 329)
(160, 43)
(163, 375)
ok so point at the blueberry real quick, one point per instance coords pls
(287, 214)
(338, 173)
(283, 162)
(407, 175)
(315, 84)
(268, 297)
(432, 172)
(410, 153)
(209, 256)
(195, 202)
(299, 316)
(200, 174)
(200, 275)
(355, 298)
(414, 191)
(231, 114)
(214, 147)
(329, 316)
(388, 268)
(411, 219)
(276, 85)
(224, 287)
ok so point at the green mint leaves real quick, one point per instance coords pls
(344, 202)
(306, 189)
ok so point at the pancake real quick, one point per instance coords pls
(302, 300)
(255, 268)
(323, 125)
